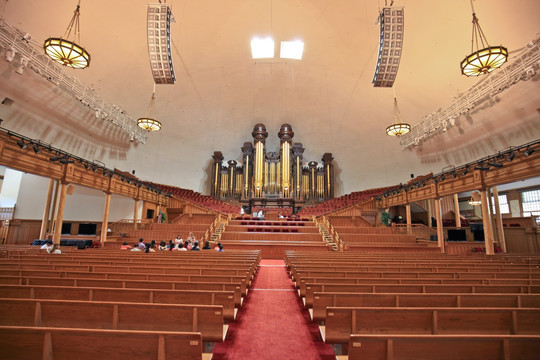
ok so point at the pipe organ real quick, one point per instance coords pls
(269, 178)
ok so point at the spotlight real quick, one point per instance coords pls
(465, 170)
(454, 174)
(21, 66)
(22, 144)
(511, 156)
(36, 148)
(10, 54)
(495, 164)
(442, 177)
(56, 158)
(528, 152)
(481, 167)
(66, 160)
(86, 166)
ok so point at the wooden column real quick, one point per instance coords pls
(105, 223)
(498, 220)
(488, 231)
(52, 219)
(429, 212)
(46, 211)
(438, 218)
(60, 214)
(135, 213)
(408, 218)
(456, 211)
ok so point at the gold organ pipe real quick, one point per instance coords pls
(247, 173)
(231, 176)
(328, 178)
(216, 189)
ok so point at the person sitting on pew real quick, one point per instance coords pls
(46, 245)
(162, 245)
(53, 249)
(149, 248)
(195, 246)
(170, 247)
(141, 245)
(206, 246)
(125, 246)
(181, 247)
(187, 245)
(219, 247)
(136, 247)
(260, 215)
(177, 241)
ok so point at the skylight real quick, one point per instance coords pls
(262, 48)
(292, 49)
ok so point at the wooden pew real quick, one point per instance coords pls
(443, 347)
(49, 343)
(206, 319)
(322, 300)
(417, 289)
(341, 322)
(199, 297)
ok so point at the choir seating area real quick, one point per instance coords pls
(342, 202)
(273, 237)
(422, 306)
(205, 201)
(359, 235)
(55, 304)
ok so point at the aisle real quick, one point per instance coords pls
(272, 324)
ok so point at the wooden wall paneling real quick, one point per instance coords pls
(23, 232)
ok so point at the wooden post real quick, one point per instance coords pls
(498, 220)
(105, 223)
(488, 231)
(408, 216)
(438, 218)
(46, 211)
(60, 214)
(456, 211)
(135, 213)
(52, 220)
(429, 213)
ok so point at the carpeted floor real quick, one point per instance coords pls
(272, 324)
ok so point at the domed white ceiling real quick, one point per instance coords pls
(221, 92)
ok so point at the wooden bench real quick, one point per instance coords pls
(49, 343)
(206, 319)
(341, 322)
(322, 300)
(311, 288)
(200, 297)
(443, 347)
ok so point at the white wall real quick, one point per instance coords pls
(84, 204)
(10, 188)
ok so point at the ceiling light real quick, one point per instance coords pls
(528, 152)
(68, 52)
(398, 128)
(9, 54)
(147, 122)
(475, 198)
(486, 59)
(292, 50)
(36, 148)
(262, 48)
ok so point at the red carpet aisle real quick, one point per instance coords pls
(272, 325)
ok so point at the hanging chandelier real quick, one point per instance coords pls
(147, 122)
(68, 52)
(475, 198)
(398, 128)
(485, 58)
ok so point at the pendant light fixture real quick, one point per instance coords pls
(147, 122)
(475, 198)
(65, 51)
(398, 127)
(483, 58)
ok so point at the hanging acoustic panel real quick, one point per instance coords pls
(159, 43)
(390, 46)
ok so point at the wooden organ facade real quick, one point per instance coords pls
(272, 178)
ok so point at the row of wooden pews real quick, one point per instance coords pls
(414, 306)
(177, 304)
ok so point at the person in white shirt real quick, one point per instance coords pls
(260, 215)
